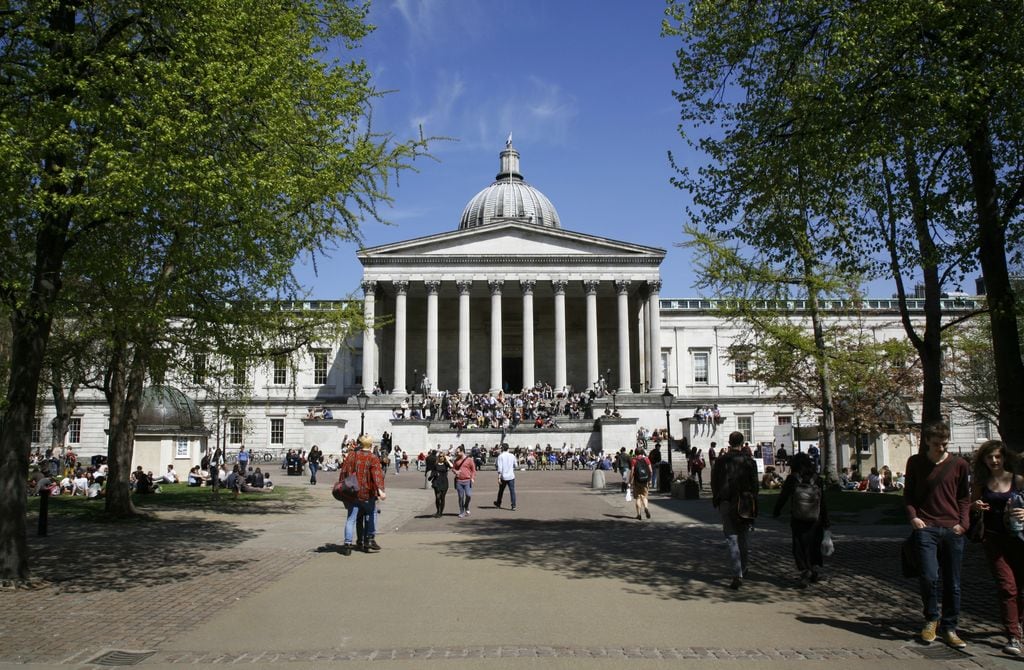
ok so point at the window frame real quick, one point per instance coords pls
(75, 430)
(748, 433)
(321, 376)
(705, 356)
(277, 430)
(232, 433)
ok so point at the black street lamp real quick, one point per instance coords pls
(363, 400)
(666, 401)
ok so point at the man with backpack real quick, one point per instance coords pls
(804, 491)
(734, 493)
(640, 479)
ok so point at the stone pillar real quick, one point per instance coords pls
(643, 331)
(464, 289)
(401, 291)
(654, 309)
(369, 338)
(495, 287)
(432, 289)
(527, 286)
(593, 373)
(625, 382)
(559, 288)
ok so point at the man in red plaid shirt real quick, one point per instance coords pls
(362, 507)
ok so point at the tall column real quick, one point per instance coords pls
(401, 290)
(369, 338)
(643, 346)
(464, 289)
(625, 383)
(654, 309)
(495, 286)
(593, 373)
(558, 286)
(432, 288)
(527, 286)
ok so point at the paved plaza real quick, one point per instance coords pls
(569, 579)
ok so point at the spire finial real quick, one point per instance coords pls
(508, 142)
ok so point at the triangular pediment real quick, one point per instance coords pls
(512, 238)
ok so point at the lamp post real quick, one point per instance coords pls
(666, 401)
(363, 400)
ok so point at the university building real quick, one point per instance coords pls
(510, 299)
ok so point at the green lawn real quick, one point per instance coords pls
(181, 497)
(852, 506)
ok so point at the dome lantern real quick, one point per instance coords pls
(509, 198)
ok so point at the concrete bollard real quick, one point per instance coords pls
(597, 479)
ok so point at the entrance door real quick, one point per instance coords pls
(512, 370)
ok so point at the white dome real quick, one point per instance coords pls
(509, 198)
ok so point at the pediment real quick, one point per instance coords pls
(513, 238)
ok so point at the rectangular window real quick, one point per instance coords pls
(664, 367)
(741, 371)
(199, 369)
(75, 431)
(37, 429)
(745, 425)
(319, 367)
(239, 376)
(182, 448)
(235, 431)
(280, 370)
(981, 432)
(785, 420)
(277, 431)
(700, 367)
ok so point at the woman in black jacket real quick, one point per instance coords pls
(439, 480)
(805, 492)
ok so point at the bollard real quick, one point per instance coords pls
(44, 510)
(597, 479)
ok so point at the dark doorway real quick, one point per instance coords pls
(512, 371)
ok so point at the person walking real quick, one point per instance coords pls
(734, 494)
(622, 465)
(640, 474)
(938, 499)
(362, 506)
(506, 466)
(993, 485)
(808, 516)
(315, 460)
(465, 474)
(438, 478)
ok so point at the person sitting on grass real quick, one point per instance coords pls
(194, 478)
(170, 477)
(233, 482)
(257, 482)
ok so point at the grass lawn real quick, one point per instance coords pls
(852, 506)
(181, 497)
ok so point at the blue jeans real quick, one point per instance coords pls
(735, 538)
(941, 552)
(361, 512)
(464, 487)
(511, 484)
(313, 467)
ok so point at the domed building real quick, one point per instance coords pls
(171, 431)
(511, 299)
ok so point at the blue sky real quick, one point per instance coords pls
(585, 88)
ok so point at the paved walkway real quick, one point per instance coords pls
(569, 579)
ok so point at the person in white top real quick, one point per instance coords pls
(170, 477)
(506, 465)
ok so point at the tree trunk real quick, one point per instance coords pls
(64, 405)
(1002, 303)
(124, 386)
(830, 454)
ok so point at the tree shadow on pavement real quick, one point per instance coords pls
(83, 557)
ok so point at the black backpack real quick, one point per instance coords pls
(807, 500)
(642, 473)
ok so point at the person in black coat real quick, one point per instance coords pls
(805, 491)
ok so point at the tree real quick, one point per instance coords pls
(907, 124)
(164, 153)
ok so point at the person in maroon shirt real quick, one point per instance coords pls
(938, 500)
(362, 506)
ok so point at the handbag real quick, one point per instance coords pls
(828, 547)
(746, 506)
(346, 488)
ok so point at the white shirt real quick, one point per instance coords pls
(506, 465)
